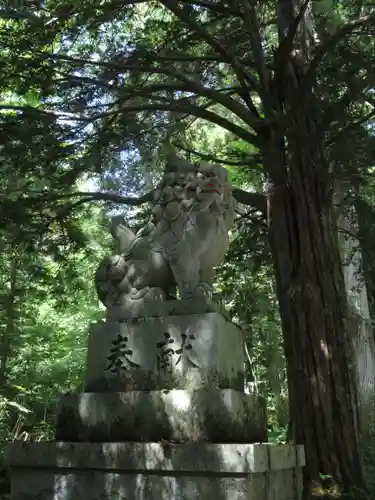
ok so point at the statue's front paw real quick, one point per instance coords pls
(155, 294)
(109, 295)
(147, 294)
(203, 292)
(116, 268)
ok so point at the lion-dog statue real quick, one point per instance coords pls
(184, 240)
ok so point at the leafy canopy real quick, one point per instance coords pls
(105, 87)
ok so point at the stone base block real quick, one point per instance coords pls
(152, 471)
(174, 307)
(171, 352)
(178, 415)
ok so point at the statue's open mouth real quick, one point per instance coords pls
(212, 190)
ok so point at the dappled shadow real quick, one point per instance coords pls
(148, 441)
(136, 471)
(213, 415)
(4, 483)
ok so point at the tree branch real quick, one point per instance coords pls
(355, 87)
(253, 29)
(41, 197)
(249, 117)
(329, 45)
(187, 58)
(215, 95)
(25, 108)
(188, 109)
(256, 200)
(199, 3)
(213, 6)
(286, 45)
(214, 159)
(351, 127)
(185, 15)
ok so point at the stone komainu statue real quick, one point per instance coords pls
(185, 238)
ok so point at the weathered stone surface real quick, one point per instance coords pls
(175, 352)
(156, 309)
(185, 238)
(178, 415)
(282, 456)
(282, 484)
(136, 471)
(301, 458)
(115, 486)
(191, 458)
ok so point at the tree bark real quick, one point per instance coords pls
(312, 295)
(362, 333)
(367, 240)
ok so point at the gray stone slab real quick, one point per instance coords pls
(298, 482)
(258, 485)
(190, 458)
(207, 414)
(114, 486)
(301, 458)
(181, 307)
(173, 352)
(282, 456)
(147, 471)
(281, 484)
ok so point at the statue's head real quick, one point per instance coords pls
(212, 170)
(191, 189)
(176, 164)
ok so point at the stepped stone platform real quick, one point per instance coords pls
(178, 378)
(164, 416)
(148, 471)
(219, 416)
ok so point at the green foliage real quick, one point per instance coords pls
(49, 303)
(103, 89)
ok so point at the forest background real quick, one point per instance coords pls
(93, 96)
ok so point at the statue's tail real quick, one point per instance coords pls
(122, 234)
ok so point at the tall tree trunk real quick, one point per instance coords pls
(367, 240)
(362, 333)
(311, 290)
(309, 275)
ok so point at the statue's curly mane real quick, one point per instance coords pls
(185, 238)
(193, 192)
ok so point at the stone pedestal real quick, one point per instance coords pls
(219, 416)
(139, 471)
(171, 352)
(163, 416)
